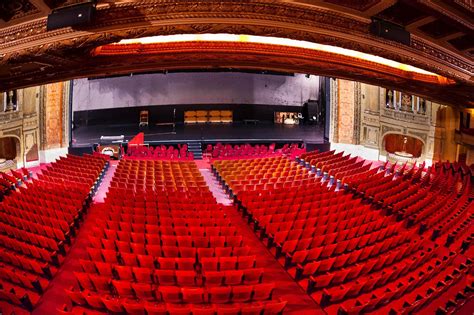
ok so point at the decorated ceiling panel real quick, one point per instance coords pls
(441, 40)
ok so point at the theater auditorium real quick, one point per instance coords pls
(237, 157)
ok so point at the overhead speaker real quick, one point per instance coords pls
(389, 31)
(76, 15)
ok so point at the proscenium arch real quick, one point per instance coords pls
(64, 53)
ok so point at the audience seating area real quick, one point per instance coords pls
(38, 221)
(162, 152)
(229, 152)
(358, 238)
(162, 245)
(391, 240)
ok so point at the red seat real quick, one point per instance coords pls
(170, 294)
(263, 291)
(143, 275)
(146, 261)
(227, 263)
(193, 295)
(143, 291)
(242, 293)
(274, 307)
(155, 309)
(124, 272)
(94, 300)
(113, 305)
(209, 263)
(252, 276)
(167, 263)
(129, 259)
(185, 263)
(101, 283)
(219, 294)
(186, 277)
(165, 277)
(76, 297)
(84, 281)
(123, 288)
(133, 307)
(233, 277)
(213, 278)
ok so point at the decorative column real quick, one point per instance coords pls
(10, 106)
(334, 105)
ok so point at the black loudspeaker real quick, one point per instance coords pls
(76, 15)
(390, 31)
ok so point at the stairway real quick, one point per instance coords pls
(196, 148)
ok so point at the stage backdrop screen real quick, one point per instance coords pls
(194, 88)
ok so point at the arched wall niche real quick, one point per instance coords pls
(395, 143)
(10, 152)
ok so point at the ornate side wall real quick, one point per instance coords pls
(37, 122)
(378, 112)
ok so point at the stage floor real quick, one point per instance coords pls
(236, 132)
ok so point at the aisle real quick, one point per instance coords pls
(286, 288)
(55, 297)
(213, 184)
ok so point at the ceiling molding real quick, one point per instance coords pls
(28, 43)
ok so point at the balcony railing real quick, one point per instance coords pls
(6, 117)
(408, 116)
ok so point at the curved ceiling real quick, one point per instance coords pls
(440, 42)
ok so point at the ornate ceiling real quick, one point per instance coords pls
(442, 40)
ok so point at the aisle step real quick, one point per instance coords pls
(196, 148)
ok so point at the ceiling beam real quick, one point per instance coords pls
(420, 22)
(451, 36)
(379, 7)
(41, 5)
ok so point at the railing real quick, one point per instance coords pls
(405, 115)
(6, 117)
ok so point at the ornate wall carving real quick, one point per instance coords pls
(23, 125)
(377, 120)
(346, 118)
(53, 116)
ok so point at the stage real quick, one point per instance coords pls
(206, 133)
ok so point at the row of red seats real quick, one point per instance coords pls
(36, 223)
(177, 248)
(142, 152)
(169, 305)
(350, 278)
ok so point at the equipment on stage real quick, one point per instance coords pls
(110, 145)
(143, 119)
